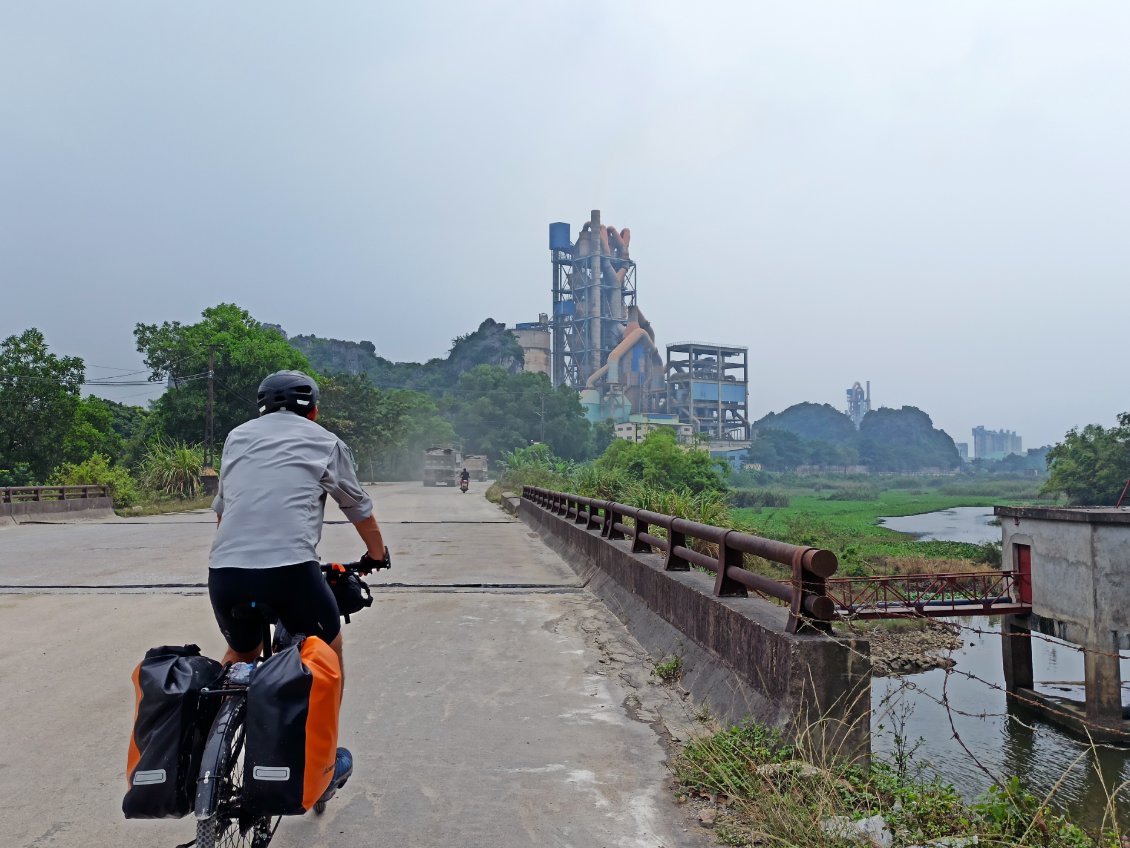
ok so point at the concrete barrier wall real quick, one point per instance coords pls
(15, 513)
(736, 656)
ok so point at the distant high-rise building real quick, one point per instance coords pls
(995, 444)
(962, 450)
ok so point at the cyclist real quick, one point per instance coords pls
(275, 473)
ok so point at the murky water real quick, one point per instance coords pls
(960, 524)
(1046, 758)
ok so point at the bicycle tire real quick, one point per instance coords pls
(229, 826)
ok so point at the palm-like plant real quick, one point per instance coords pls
(173, 469)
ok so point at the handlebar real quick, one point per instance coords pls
(365, 565)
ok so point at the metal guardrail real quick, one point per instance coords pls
(931, 595)
(34, 494)
(810, 608)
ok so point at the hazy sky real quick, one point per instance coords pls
(931, 196)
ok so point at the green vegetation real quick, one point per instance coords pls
(669, 669)
(491, 344)
(173, 470)
(39, 394)
(245, 352)
(1091, 466)
(848, 526)
(769, 792)
(814, 434)
(659, 461)
(693, 487)
(97, 470)
(494, 411)
(386, 429)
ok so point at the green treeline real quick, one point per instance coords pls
(897, 440)
(476, 397)
(387, 412)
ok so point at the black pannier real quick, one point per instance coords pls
(169, 727)
(292, 712)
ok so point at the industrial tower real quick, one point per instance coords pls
(594, 285)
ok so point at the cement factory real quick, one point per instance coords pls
(596, 340)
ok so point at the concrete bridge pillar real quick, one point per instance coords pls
(1016, 651)
(1104, 686)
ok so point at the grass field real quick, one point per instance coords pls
(850, 529)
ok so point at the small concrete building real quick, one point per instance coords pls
(1073, 566)
(636, 428)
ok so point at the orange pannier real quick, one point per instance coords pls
(292, 707)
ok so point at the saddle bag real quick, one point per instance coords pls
(169, 727)
(349, 590)
(292, 706)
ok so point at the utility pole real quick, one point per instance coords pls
(209, 424)
(543, 418)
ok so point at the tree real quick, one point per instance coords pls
(660, 461)
(494, 412)
(39, 393)
(92, 431)
(246, 351)
(812, 422)
(387, 430)
(490, 344)
(904, 440)
(97, 470)
(1091, 466)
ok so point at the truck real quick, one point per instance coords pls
(442, 465)
(476, 465)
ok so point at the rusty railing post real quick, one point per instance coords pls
(809, 595)
(616, 515)
(642, 526)
(594, 506)
(724, 585)
(675, 538)
(582, 515)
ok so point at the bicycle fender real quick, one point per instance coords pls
(215, 748)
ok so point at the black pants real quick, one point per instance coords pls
(297, 594)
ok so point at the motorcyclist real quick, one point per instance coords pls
(465, 477)
(275, 473)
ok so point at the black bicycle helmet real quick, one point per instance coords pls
(291, 390)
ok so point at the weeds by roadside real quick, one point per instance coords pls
(769, 792)
(164, 506)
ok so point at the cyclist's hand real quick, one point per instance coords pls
(368, 564)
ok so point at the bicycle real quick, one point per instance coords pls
(222, 820)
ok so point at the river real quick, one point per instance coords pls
(1018, 744)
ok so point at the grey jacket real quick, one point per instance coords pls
(274, 477)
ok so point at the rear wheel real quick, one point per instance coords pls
(230, 826)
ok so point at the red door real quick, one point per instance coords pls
(1022, 557)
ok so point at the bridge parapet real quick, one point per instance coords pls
(24, 501)
(742, 654)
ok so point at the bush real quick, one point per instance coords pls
(97, 471)
(173, 469)
(757, 498)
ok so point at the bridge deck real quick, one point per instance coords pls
(514, 713)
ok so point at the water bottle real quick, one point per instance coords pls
(239, 674)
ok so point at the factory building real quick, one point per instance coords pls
(995, 444)
(601, 344)
(708, 387)
(636, 428)
(858, 403)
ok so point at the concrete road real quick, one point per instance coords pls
(489, 700)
